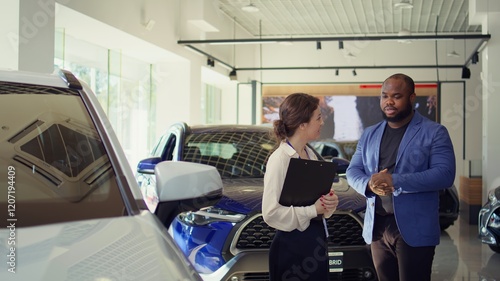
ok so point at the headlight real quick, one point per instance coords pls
(492, 197)
(210, 215)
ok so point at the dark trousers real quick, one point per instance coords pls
(395, 260)
(299, 255)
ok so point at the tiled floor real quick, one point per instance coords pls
(462, 257)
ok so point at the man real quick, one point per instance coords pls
(400, 164)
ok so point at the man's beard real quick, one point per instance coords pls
(400, 116)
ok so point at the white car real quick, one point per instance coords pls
(70, 207)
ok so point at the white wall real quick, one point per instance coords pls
(9, 31)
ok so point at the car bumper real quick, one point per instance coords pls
(357, 265)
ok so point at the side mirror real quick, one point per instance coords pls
(342, 165)
(185, 186)
(147, 166)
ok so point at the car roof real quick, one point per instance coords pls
(49, 79)
(204, 129)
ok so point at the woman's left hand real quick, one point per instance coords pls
(330, 201)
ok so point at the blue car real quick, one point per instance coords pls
(224, 236)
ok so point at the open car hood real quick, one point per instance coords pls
(125, 248)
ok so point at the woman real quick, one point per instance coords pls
(299, 248)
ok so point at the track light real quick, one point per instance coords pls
(210, 62)
(232, 75)
(475, 58)
(336, 72)
(318, 45)
(341, 45)
(465, 72)
(354, 72)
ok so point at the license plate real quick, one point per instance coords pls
(335, 261)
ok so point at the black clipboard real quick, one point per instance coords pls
(306, 181)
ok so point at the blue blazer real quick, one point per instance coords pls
(425, 164)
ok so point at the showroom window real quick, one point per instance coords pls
(123, 85)
(211, 104)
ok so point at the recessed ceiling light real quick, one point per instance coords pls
(403, 4)
(251, 8)
(453, 54)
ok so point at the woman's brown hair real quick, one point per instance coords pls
(296, 109)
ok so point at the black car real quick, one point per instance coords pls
(489, 221)
(229, 240)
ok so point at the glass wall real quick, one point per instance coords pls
(123, 85)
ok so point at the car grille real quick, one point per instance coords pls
(345, 228)
(346, 275)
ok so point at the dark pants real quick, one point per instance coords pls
(395, 260)
(296, 255)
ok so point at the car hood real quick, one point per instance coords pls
(123, 248)
(245, 196)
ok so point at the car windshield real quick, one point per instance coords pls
(54, 163)
(234, 154)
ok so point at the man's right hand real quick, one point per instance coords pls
(381, 183)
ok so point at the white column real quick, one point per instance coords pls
(9, 34)
(491, 101)
(36, 35)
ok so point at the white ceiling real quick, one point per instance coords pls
(311, 18)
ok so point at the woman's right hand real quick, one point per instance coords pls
(327, 203)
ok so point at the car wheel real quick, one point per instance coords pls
(495, 248)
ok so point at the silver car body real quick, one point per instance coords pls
(70, 207)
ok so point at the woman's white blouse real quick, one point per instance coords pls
(283, 217)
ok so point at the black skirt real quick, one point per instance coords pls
(299, 255)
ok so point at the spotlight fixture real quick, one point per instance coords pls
(475, 58)
(318, 45)
(341, 45)
(465, 72)
(403, 4)
(251, 8)
(336, 72)
(232, 75)
(210, 62)
(354, 72)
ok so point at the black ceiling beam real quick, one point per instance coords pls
(345, 38)
(484, 39)
(478, 49)
(210, 56)
(432, 66)
(320, 67)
